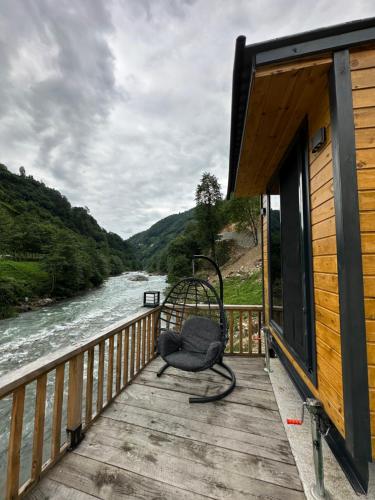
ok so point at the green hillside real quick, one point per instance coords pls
(49, 247)
(149, 245)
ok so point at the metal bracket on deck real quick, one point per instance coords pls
(75, 436)
(319, 428)
(266, 334)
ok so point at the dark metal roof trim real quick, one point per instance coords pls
(315, 46)
(238, 109)
(308, 36)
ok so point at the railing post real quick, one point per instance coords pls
(111, 350)
(250, 331)
(132, 350)
(143, 342)
(99, 401)
(15, 438)
(154, 326)
(118, 362)
(57, 411)
(126, 357)
(89, 385)
(74, 423)
(40, 409)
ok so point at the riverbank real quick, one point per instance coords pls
(26, 337)
(26, 286)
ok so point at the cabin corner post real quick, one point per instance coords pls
(349, 259)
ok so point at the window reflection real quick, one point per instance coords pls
(275, 258)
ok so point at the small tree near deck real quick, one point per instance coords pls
(208, 197)
(245, 213)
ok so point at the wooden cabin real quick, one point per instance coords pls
(303, 138)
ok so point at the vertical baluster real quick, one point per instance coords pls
(118, 362)
(126, 356)
(154, 333)
(57, 411)
(231, 321)
(40, 410)
(143, 342)
(240, 325)
(74, 424)
(99, 401)
(138, 360)
(149, 337)
(111, 348)
(259, 335)
(89, 384)
(132, 351)
(250, 332)
(15, 438)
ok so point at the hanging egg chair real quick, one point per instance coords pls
(192, 330)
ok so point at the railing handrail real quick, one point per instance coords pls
(227, 307)
(26, 374)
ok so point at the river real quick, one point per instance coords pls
(31, 335)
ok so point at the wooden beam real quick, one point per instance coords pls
(277, 69)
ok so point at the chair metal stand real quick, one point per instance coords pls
(162, 370)
(228, 390)
(216, 397)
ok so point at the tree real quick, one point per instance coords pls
(245, 213)
(22, 172)
(208, 215)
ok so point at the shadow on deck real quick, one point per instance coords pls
(151, 443)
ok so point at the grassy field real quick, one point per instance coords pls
(28, 271)
(20, 279)
(243, 290)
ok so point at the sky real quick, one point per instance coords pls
(123, 104)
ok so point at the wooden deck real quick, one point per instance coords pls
(150, 443)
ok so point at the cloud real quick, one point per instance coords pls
(123, 104)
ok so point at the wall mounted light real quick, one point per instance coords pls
(318, 140)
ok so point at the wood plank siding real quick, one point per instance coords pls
(363, 83)
(327, 309)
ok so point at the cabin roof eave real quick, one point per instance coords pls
(251, 58)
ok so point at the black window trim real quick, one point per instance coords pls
(310, 371)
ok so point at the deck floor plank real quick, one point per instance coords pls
(151, 443)
(242, 380)
(242, 395)
(218, 435)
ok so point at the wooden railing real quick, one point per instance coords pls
(244, 324)
(51, 402)
(67, 391)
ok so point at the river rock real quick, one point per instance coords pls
(138, 277)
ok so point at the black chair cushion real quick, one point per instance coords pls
(169, 342)
(197, 347)
(185, 360)
(198, 333)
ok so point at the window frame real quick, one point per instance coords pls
(310, 368)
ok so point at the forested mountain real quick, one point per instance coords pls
(168, 246)
(69, 247)
(149, 245)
